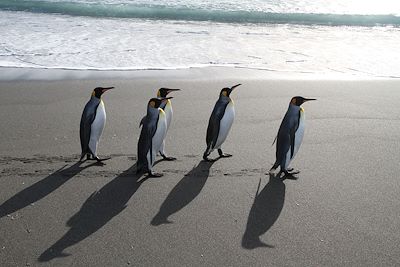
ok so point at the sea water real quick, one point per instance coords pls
(360, 38)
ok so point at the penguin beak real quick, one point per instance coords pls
(309, 99)
(233, 87)
(172, 90)
(104, 89)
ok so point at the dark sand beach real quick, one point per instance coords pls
(343, 210)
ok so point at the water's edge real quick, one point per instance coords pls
(11, 74)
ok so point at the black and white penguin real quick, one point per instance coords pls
(220, 123)
(167, 107)
(154, 129)
(92, 124)
(290, 135)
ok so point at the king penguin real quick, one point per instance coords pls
(290, 135)
(220, 123)
(92, 124)
(167, 107)
(154, 129)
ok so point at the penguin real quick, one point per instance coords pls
(290, 135)
(167, 107)
(92, 124)
(220, 123)
(154, 129)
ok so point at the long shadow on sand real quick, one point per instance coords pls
(184, 192)
(98, 209)
(40, 189)
(264, 212)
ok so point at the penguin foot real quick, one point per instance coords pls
(154, 175)
(165, 157)
(223, 155)
(168, 158)
(88, 157)
(101, 160)
(81, 159)
(291, 172)
(290, 175)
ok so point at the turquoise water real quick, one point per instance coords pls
(360, 38)
(281, 12)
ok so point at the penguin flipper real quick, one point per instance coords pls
(283, 142)
(293, 135)
(292, 141)
(212, 132)
(145, 144)
(88, 116)
(214, 123)
(142, 121)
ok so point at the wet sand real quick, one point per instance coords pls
(343, 210)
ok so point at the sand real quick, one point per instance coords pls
(343, 210)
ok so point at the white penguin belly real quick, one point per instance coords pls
(299, 134)
(298, 139)
(225, 124)
(168, 113)
(97, 128)
(158, 137)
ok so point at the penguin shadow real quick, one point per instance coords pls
(41, 189)
(266, 208)
(101, 207)
(184, 192)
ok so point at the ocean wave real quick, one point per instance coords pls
(182, 13)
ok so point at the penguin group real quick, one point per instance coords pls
(156, 122)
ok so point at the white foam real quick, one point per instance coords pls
(54, 41)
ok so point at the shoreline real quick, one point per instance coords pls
(11, 74)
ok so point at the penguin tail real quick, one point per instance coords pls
(82, 156)
(140, 168)
(207, 152)
(273, 168)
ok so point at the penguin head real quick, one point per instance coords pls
(227, 91)
(298, 100)
(156, 102)
(163, 92)
(98, 91)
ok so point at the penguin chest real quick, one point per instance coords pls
(298, 139)
(168, 113)
(225, 124)
(299, 133)
(160, 133)
(99, 122)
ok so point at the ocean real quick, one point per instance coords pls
(343, 37)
